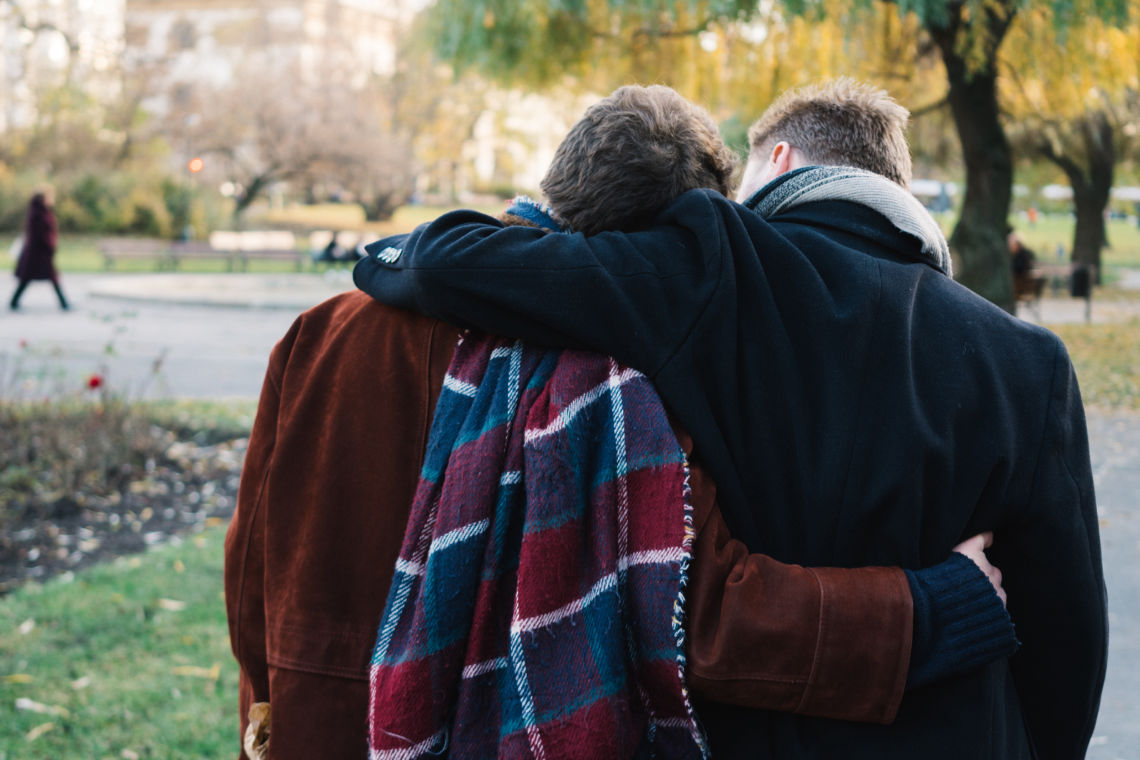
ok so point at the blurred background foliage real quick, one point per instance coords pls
(458, 102)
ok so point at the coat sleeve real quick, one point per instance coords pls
(1055, 582)
(245, 546)
(632, 296)
(763, 634)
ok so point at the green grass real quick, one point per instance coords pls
(203, 420)
(1123, 239)
(1107, 362)
(127, 672)
(1054, 229)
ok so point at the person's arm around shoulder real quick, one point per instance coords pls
(630, 295)
(841, 643)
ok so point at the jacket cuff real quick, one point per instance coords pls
(869, 610)
(960, 622)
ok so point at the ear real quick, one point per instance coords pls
(780, 160)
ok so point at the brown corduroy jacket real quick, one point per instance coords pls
(326, 489)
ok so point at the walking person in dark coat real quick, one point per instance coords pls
(37, 259)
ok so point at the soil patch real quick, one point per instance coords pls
(185, 488)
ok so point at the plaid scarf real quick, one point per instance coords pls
(537, 605)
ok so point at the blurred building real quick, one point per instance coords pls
(181, 46)
(172, 58)
(46, 44)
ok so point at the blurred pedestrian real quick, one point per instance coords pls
(37, 259)
(1021, 257)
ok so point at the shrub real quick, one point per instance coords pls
(147, 214)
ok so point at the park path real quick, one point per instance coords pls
(1114, 439)
(216, 331)
(213, 332)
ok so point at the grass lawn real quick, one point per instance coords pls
(1107, 362)
(1057, 229)
(125, 660)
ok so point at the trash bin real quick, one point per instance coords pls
(1080, 282)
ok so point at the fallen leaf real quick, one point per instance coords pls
(173, 605)
(81, 683)
(39, 731)
(256, 739)
(211, 673)
(17, 678)
(23, 703)
(179, 567)
(27, 626)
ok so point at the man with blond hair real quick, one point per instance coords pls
(853, 404)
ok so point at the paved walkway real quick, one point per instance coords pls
(214, 334)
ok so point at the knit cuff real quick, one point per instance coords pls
(959, 621)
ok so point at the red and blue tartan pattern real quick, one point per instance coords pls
(537, 606)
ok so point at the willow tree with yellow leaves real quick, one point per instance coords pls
(745, 51)
(1078, 111)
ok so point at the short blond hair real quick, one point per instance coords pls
(840, 122)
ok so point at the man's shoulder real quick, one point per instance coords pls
(352, 328)
(707, 203)
(722, 225)
(356, 311)
(979, 329)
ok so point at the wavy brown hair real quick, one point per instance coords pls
(630, 155)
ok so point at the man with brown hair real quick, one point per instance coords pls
(840, 122)
(853, 404)
(630, 155)
(331, 470)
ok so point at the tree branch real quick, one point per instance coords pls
(937, 105)
(40, 26)
(1069, 166)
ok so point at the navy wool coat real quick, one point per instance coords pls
(854, 406)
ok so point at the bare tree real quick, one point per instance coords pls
(265, 132)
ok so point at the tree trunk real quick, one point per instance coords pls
(979, 235)
(381, 207)
(1089, 238)
(246, 198)
(1091, 183)
(1091, 199)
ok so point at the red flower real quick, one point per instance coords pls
(23, 344)
(94, 381)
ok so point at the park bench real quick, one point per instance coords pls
(258, 245)
(1028, 287)
(348, 240)
(1079, 279)
(115, 249)
(235, 248)
(190, 250)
